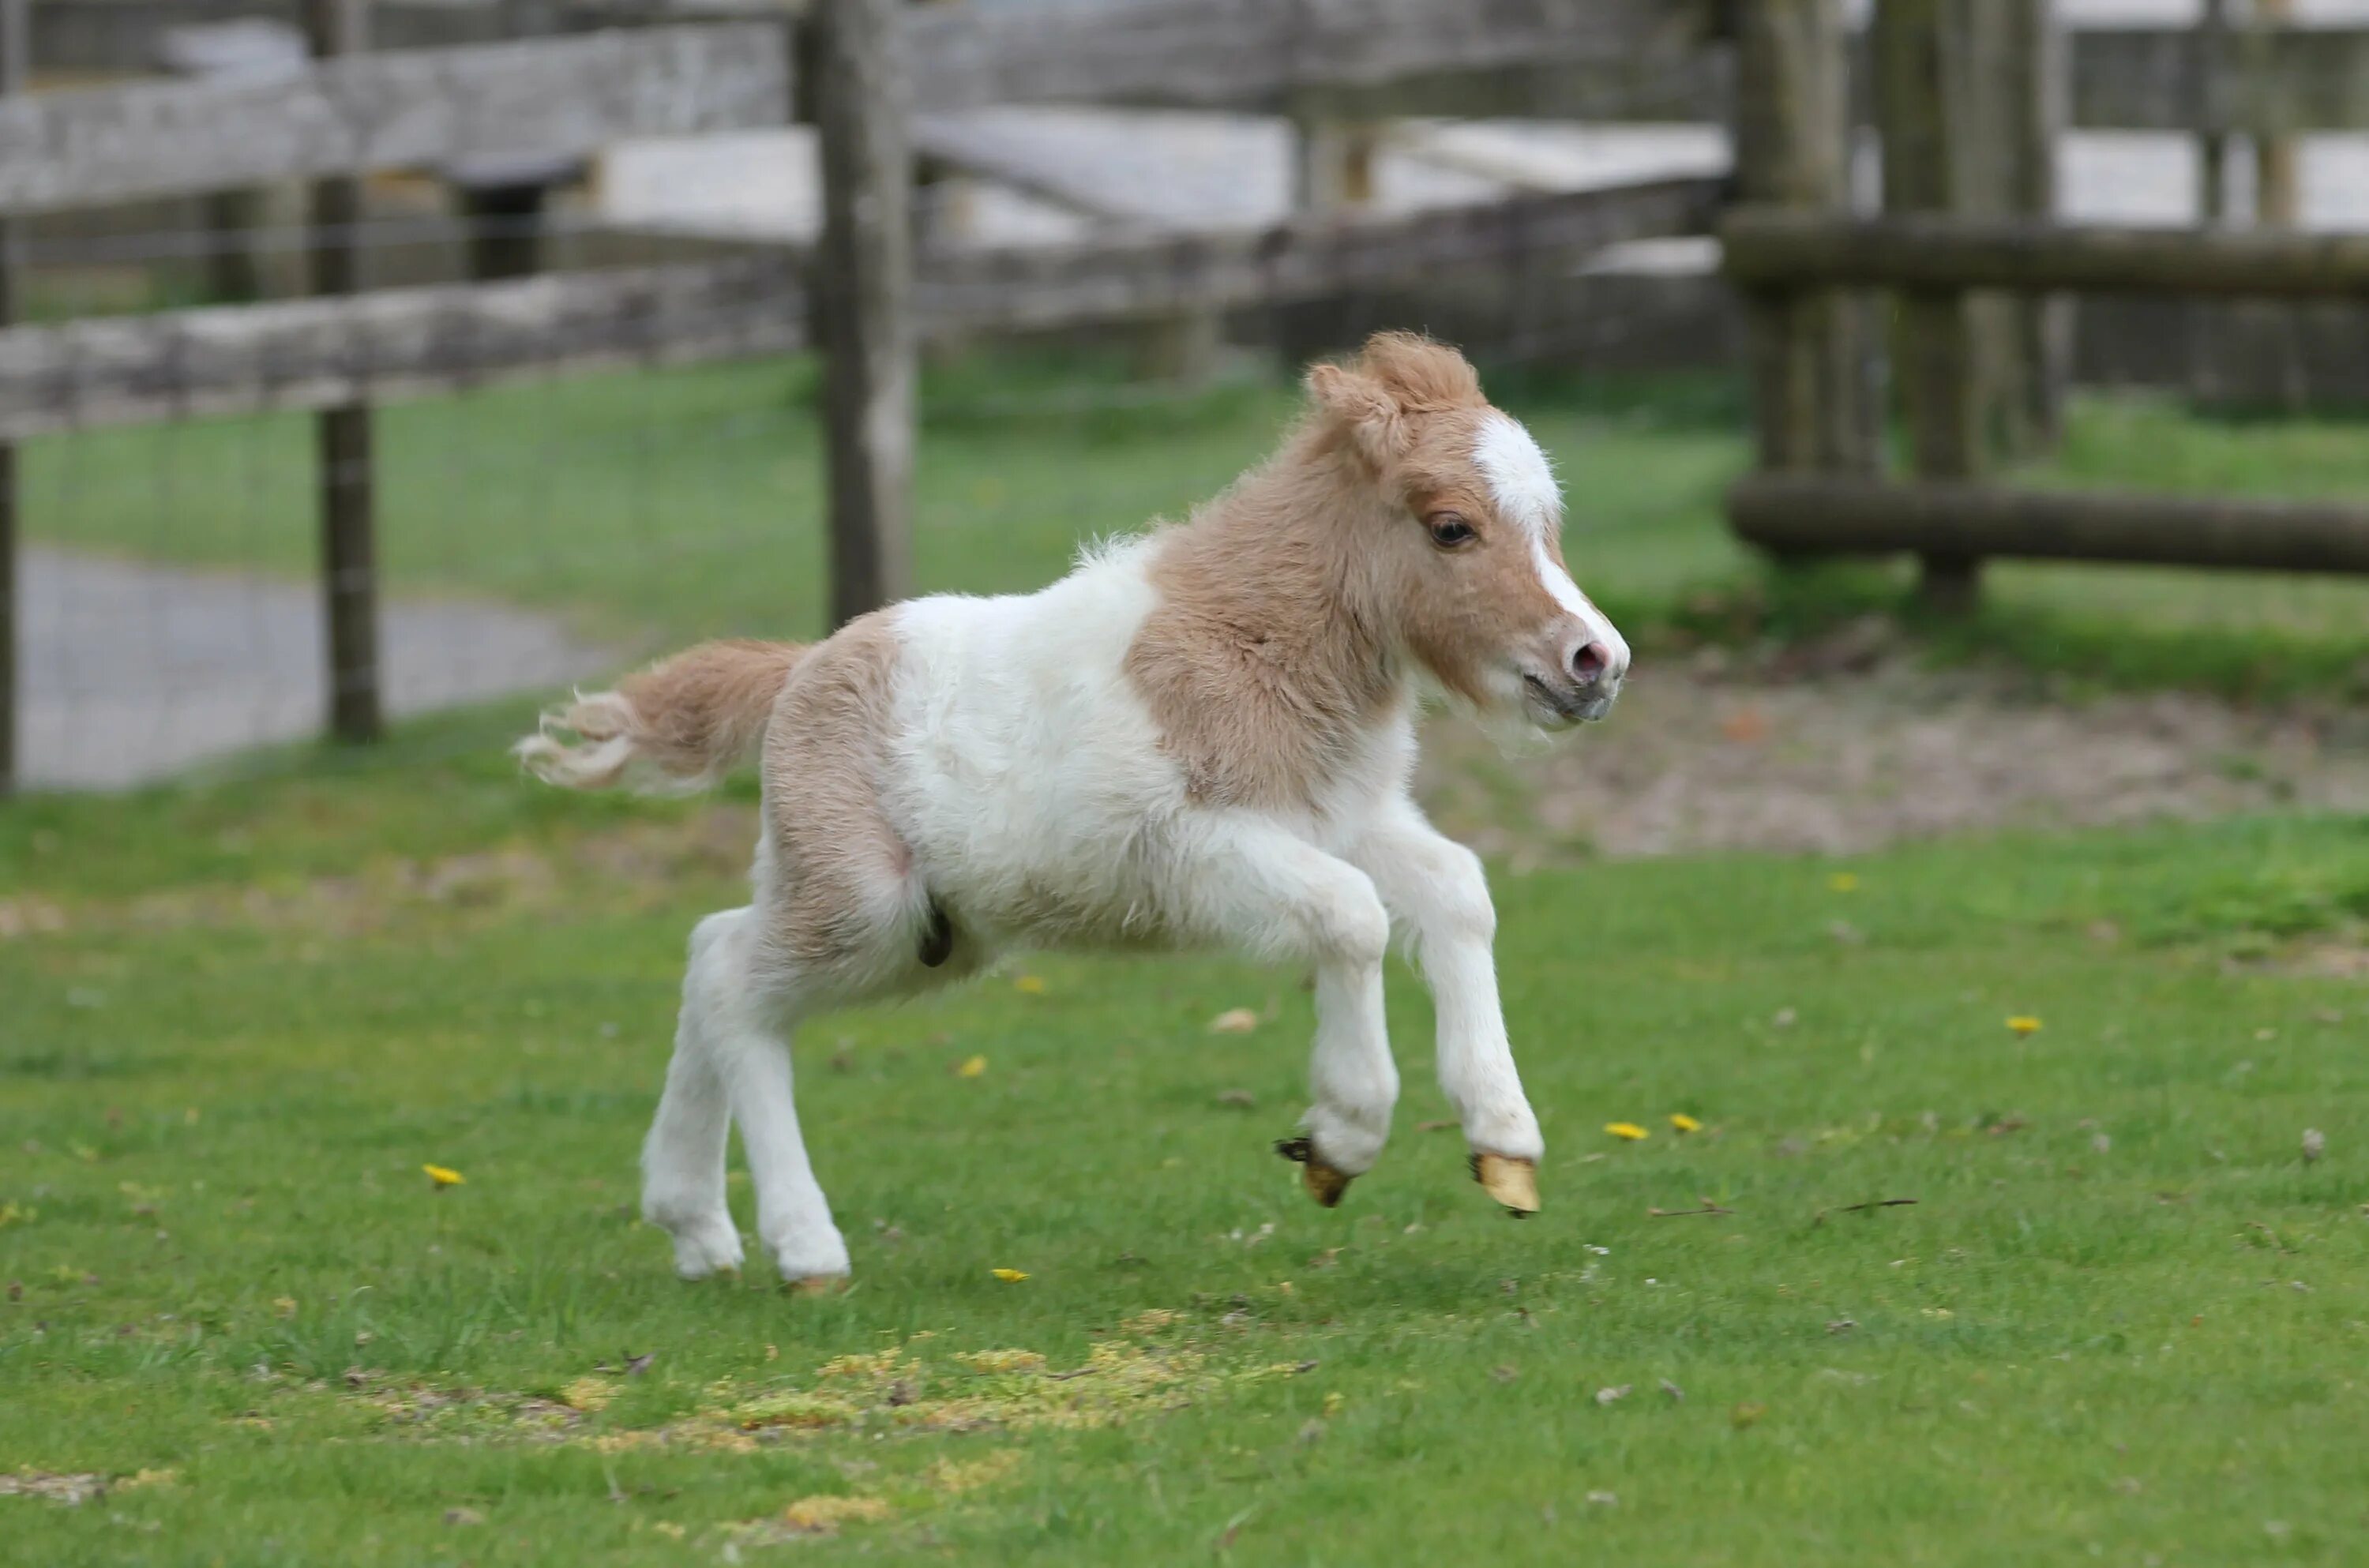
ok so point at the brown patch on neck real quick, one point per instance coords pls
(1265, 658)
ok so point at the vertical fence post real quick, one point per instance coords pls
(15, 63)
(349, 546)
(2278, 178)
(2208, 107)
(1811, 396)
(1937, 364)
(862, 290)
(2038, 110)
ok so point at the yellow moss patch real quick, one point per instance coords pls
(588, 1394)
(1007, 1389)
(957, 1476)
(878, 1364)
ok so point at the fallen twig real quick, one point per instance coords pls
(1864, 1208)
(1708, 1208)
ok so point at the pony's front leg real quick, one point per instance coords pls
(1435, 886)
(1253, 884)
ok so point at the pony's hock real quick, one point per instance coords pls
(1514, 1182)
(1097, 766)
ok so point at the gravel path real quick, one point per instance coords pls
(1852, 744)
(133, 672)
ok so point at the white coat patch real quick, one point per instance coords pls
(1522, 483)
(1521, 480)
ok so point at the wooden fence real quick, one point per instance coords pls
(1960, 237)
(1957, 241)
(864, 298)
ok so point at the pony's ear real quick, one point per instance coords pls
(1362, 407)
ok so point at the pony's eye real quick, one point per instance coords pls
(1449, 530)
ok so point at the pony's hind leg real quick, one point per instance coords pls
(752, 999)
(683, 1159)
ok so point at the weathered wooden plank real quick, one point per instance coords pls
(345, 474)
(1810, 401)
(399, 343)
(2276, 79)
(2044, 325)
(1815, 512)
(1218, 53)
(2278, 162)
(348, 117)
(1927, 55)
(1766, 246)
(119, 37)
(403, 343)
(1695, 85)
(16, 57)
(863, 282)
(1147, 275)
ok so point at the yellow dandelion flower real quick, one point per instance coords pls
(1010, 1276)
(1029, 984)
(1681, 1122)
(971, 1068)
(1628, 1131)
(2025, 1024)
(1843, 882)
(443, 1176)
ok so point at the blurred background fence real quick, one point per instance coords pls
(384, 357)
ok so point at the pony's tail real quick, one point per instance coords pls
(677, 725)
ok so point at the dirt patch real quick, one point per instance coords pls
(1851, 743)
(645, 861)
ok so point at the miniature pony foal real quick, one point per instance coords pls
(1202, 735)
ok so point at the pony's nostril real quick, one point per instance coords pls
(1589, 664)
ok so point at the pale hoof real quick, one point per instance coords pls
(1324, 1183)
(817, 1285)
(1514, 1182)
(705, 1251)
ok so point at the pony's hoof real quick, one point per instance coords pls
(1514, 1182)
(1324, 1183)
(707, 1250)
(817, 1285)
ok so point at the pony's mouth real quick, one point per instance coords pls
(1567, 708)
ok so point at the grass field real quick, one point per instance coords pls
(660, 506)
(2122, 1322)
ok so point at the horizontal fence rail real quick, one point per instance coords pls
(1247, 54)
(1827, 513)
(375, 111)
(1778, 248)
(320, 353)
(2263, 80)
(399, 343)
(2274, 80)
(1303, 258)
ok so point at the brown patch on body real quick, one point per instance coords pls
(1286, 605)
(841, 890)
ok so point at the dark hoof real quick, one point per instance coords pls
(1324, 1183)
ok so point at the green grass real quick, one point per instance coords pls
(662, 506)
(2122, 1320)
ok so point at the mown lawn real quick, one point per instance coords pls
(2123, 1319)
(656, 507)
